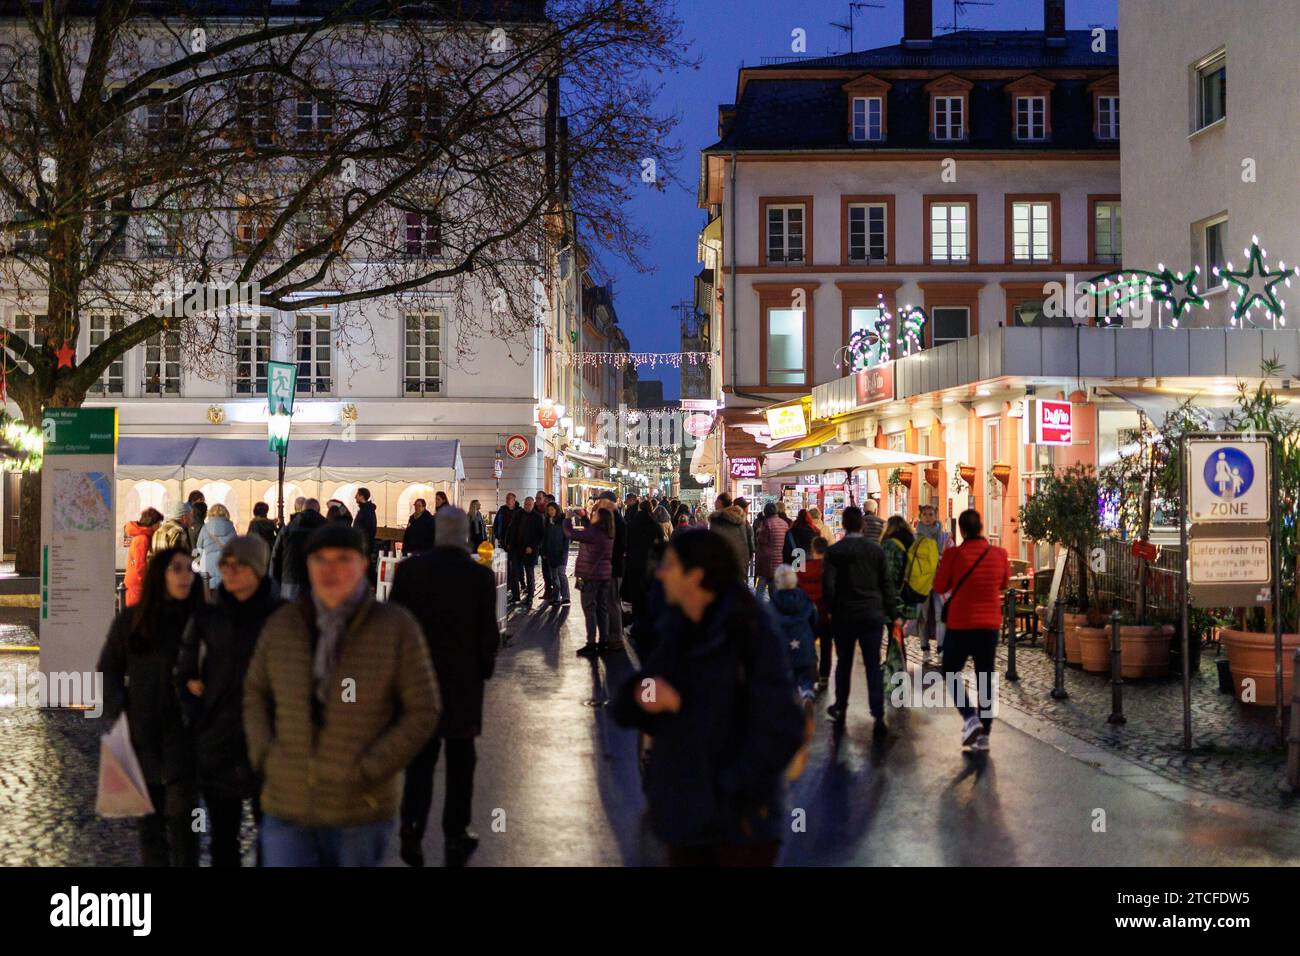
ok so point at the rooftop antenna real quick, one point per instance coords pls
(959, 7)
(847, 27)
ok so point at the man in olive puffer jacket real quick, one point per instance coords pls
(340, 696)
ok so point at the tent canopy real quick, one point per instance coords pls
(388, 460)
(249, 459)
(848, 457)
(152, 459)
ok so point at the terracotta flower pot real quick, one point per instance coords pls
(905, 478)
(1144, 650)
(1094, 649)
(933, 477)
(1002, 473)
(967, 473)
(1250, 656)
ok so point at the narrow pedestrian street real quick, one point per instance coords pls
(557, 785)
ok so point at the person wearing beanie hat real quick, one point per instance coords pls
(174, 532)
(454, 599)
(216, 649)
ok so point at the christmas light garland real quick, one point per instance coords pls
(624, 359)
(871, 345)
(27, 441)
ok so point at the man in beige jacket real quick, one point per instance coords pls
(340, 695)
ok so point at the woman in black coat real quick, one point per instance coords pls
(137, 663)
(214, 655)
(723, 717)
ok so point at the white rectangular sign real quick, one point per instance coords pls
(1229, 561)
(1229, 480)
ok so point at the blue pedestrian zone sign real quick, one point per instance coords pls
(1229, 481)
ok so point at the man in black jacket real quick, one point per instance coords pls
(215, 650)
(367, 522)
(419, 530)
(527, 529)
(289, 559)
(454, 599)
(859, 596)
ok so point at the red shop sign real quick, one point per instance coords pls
(1051, 422)
(875, 385)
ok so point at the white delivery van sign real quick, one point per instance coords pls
(1229, 481)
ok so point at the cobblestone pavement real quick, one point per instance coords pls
(1235, 751)
(562, 779)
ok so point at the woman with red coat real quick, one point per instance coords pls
(973, 578)
(139, 536)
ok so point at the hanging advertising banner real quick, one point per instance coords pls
(78, 550)
(874, 385)
(698, 425)
(789, 421)
(547, 416)
(744, 468)
(1050, 422)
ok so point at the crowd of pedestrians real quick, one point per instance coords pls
(259, 674)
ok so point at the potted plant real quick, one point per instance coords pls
(1063, 510)
(966, 475)
(1250, 643)
(900, 478)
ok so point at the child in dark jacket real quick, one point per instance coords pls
(796, 615)
(810, 583)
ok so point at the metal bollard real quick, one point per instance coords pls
(121, 596)
(1009, 616)
(1058, 687)
(1116, 680)
(1293, 740)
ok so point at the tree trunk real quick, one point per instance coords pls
(27, 551)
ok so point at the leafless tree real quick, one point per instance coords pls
(151, 150)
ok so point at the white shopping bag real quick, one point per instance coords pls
(122, 790)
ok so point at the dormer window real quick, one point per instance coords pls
(1031, 108)
(949, 118)
(949, 108)
(868, 105)
(1105, 108)
(867, 114)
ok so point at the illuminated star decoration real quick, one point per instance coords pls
(1175, 291)
(66, 355)
(1256, 287)
(869, 346)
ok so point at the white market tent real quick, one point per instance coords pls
(249, 459)
(850, 457)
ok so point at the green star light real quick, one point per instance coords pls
(1256, 286)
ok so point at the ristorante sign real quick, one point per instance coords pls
(874, 385)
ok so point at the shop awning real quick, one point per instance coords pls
(818, 436)
(153, 459)
(422, 460)
(248, 459)
(704, 457)
(317, 459)
(848, 457)
(591, 461)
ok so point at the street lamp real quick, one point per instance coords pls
(281, 383)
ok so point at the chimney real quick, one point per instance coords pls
(1054, 22)
(918, 24)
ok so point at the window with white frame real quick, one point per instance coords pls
(1211, 90)
(1031, 224)
(31, 239)
(314, 118)
(424, 110)
(785, 234)
(312, 227)
(252, 353)
(1031, 117)
(1107, 237)
(423, 371)
(252, 225)
(867, 232)
(102, 325)
(949, 118)
(107, 227)
(949, 232)
(423, 235)
(949, 323)
(312, 352)
(1108, 117)
(27, 327)
(162, 364)
(255, 106)
(1214, 254)
(785, 347)
(161, 234)
(864, 318)
(898, 494)
(867, 113)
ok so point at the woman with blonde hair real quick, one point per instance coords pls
(217, 530)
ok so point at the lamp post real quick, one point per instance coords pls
(281, 383)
